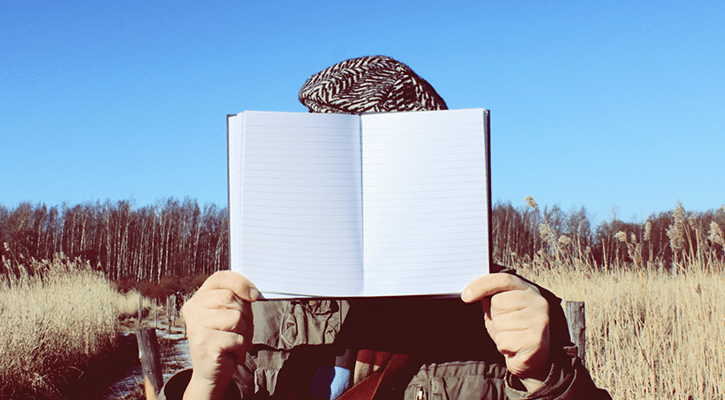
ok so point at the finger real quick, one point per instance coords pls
(233, 281)
(228, 320)
(491, 284)
(516, 300)
(216, 299)
(515, 321)
(200, 308)
(224, 320)
(218, 305)
(527, 325)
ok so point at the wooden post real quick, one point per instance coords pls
(168, 313)
(140, 310)
(156, 319)
(150, 356)
(574, 311)
(173, 311)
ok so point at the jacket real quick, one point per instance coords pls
(455, 357)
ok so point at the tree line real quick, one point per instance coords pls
(667, 240)
(169, 239)
(174, 239)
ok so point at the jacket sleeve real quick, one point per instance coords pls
(568, 379)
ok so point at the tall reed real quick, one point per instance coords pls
(651, 332)
(56, 316)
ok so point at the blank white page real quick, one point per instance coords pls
(300, 217)
(425, 201)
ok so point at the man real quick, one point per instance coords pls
(514, 345)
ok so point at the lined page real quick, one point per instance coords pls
(424, 201)
(300, 204)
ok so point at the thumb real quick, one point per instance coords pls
(491, 284)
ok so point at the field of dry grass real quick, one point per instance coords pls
(56, 316)
(653, 330)
(650, 335)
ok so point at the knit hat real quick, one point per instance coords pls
(369, 84)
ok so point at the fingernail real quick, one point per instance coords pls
(253, 294)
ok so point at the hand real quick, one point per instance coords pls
(517, 319)
(219, 328)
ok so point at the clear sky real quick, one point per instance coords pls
(596, 104)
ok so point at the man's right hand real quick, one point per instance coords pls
(219, 328)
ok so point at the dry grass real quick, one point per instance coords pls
(652, 333)
(155, 313)
(127, 304)
(56, 316)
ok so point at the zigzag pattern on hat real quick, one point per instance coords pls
(369, 84)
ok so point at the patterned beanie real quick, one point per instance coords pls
(369, 84)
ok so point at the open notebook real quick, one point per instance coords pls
(339, 205)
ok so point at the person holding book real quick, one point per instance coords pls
(504, 338)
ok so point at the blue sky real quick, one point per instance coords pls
(596, 104)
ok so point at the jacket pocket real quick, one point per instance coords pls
(457, 380)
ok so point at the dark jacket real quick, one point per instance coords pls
(455, 357)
